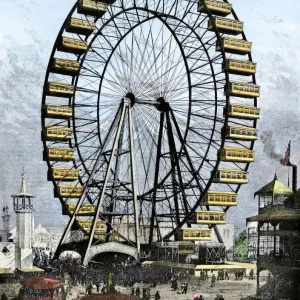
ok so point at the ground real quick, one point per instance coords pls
(230, 289)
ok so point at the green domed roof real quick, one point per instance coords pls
(275, 187)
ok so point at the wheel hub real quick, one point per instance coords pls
(163, 105)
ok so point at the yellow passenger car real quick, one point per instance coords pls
(224, 25)
(239, 67)
(209, 217)
(195, 234)
(58, 111)
(218, 8)
(60, 89)
(69, 191)
(85, 209)
(242, 133)
(92, 8)
(242, 89)
(86, 224)
(234, 46)
(186, 247)
(243, 111)
(233, 176)
(217, 198)
(68, 174)
(60, 154)
(79, 26)
(71, 45)
(64, 66)
(57, 133)
(236, 154)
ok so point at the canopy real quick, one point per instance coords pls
(275, 187)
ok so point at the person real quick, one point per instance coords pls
(217, 297)
(221, 297)
(251, 274)
(202, 275)
(206, 275)
(89, 289)
(104, 289)
(241, 274)
(226, 275)
(110, 278)
(157, 295)
(138, 292)
(236, 275)
(201, 297)
(174, 284)
(97, 283)
(182, 288)
(219, 275)
(132, 292)
(185, 287)
(101, 284)
(213, 280)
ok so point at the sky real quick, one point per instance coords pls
(28, 30)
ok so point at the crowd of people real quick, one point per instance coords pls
(98, 277)
(42, 257)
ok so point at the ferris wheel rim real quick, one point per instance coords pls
(225, 122)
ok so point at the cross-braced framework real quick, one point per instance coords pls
(150, 113)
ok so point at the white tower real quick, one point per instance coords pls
(23, 207)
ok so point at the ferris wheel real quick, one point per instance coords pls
(149, 113)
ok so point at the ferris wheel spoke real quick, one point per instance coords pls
(143, 160)
(152, 64)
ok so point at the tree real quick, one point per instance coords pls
(4, 297)
(241, 245)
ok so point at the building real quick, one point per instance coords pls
(252, 239)
(16, 251)
(278, 247)
(4, 233)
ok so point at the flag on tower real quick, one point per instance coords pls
(287, 155)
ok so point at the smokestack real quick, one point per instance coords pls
(294, 178)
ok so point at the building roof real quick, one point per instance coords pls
(275, 187)
(39, 283)
(277, 215)
(22, 192)
(293, 201)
